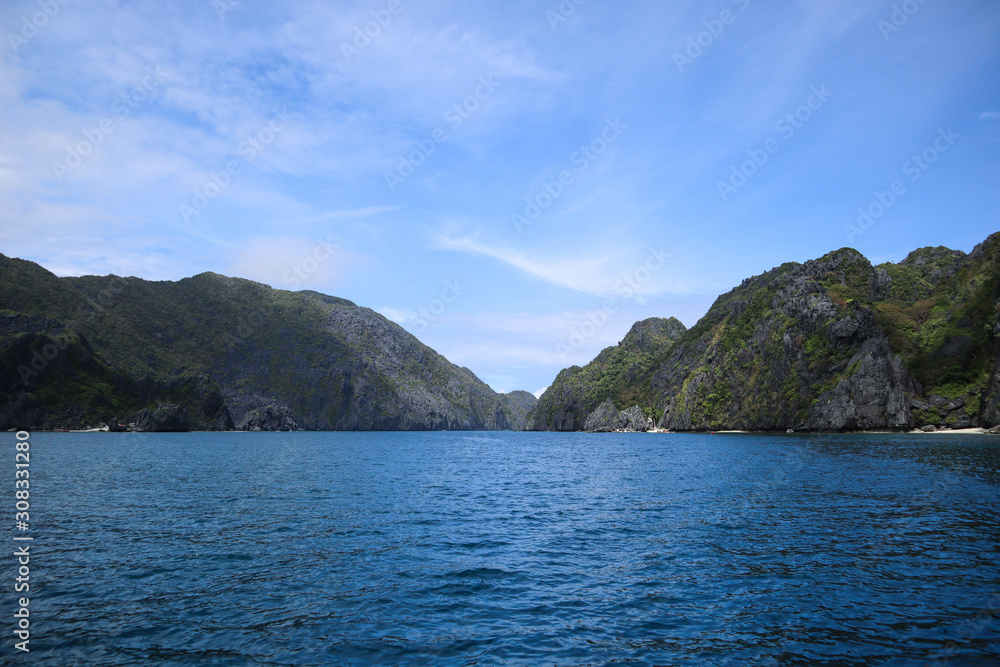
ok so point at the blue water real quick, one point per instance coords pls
(510, 549)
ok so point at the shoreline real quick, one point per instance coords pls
(655, 431)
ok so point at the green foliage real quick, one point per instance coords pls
(973, 405)
(938, 317)
(323, 357)
(621, 373)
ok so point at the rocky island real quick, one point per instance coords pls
(218, 353)
(832, 344)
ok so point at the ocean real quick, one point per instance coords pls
(508, 549)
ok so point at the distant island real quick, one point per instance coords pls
(216, 353)
(834, 344)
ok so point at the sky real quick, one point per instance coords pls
(515, 183)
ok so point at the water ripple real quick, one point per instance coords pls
(513, 549)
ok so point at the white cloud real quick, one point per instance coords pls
(538, 394)
(990, 115)
(624, 273)
(589, 275)
(292, 263)
(398, 316)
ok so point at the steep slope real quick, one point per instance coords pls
(50, 377)
(946, 330)
(832, 344)
(620, 373)
(332, 364)
(788, 349)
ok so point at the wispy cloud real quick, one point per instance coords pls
(590, 275)
(224, 78)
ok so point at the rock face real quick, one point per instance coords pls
(833, 344)
(517, 405)
(607, 419)
(876, 395)
(268, 418)
(74, 351)
(786, 350)
(620, 373)
(166, 418)
(603, 419)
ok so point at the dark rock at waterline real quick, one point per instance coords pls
(268, 418)
(607, 419)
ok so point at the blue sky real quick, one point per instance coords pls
(514, 182)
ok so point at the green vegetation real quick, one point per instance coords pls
(816, 344)
(621, 373)
(334, 364)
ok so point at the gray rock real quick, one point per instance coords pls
(606, 419)
(166, 418)
(268, 418)
(875, 396)
(633, 420)
(881, 283)
(929, 429)
(602, 420)
(955, 404)
(808, 359)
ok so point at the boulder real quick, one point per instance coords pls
(166, 418)
(633, 419)
(602, 420)
(607, 419)
(268, 418)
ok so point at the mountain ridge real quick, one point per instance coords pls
(318, 361)
(831, 344)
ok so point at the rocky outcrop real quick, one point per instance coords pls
(199, 396)
(603, 419)
(268, 418)
(17, 323)
(788, 350)
(332, 364)
(517, 405)
(876, 395)
(166, 418)
(620, 373)
(608, 419)
(833, 344)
